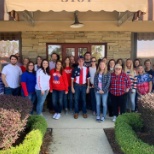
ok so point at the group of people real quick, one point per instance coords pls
(99, 85)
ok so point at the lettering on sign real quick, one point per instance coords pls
(76, 0)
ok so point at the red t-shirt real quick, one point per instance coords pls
(23, 68)
(58, 81)
(68, 71)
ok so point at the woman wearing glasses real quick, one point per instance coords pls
(119, 87)
(28, 82)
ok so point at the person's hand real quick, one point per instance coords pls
(88, 89)
(73, 91)
(66, 92)
(42, 92)
(127, 90)
(101, 92)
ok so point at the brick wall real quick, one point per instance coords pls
(118, 43)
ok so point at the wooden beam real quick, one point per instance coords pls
(123, 17)
(28, 16)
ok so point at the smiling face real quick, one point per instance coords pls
(102, 66)
(129, 63)
(45, 64)
(112, 64)
(39, 60)
(87, 57)
(67, 61)
(30, 67)
(58, 65)
(13, 61)
(140, 70)
(81, 62)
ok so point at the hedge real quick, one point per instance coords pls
(33, 140)
(125, 128)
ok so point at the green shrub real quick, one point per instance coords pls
(146, 108)
(33, 140)
(14, 112)
(126, 136)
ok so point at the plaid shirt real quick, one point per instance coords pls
(119, 84)
(105, 82)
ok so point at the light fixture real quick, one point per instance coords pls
(76, 23)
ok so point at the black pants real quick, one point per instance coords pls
(110, 105)
(119, 101)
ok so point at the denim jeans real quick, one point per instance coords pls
(68, 98)
(93, 99)
(103, 98)
(57, 100)
(80, 94)
(40, 101)
(12, 91)
(131, 98)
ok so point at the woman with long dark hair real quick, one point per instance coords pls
(38, 63)
(28, 82)
(58, 86)
(42, 85)
(68, 97)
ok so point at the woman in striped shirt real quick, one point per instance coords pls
(129, 70)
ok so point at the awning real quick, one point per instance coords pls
(80, 5)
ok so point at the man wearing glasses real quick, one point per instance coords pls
(119, 87)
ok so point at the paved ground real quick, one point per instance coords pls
(79, 136)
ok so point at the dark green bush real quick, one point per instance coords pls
(126, 136)
(14, 112)
(33, 140)
(146, 108)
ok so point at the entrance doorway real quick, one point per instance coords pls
(98, 50)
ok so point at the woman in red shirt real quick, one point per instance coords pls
(68, 97)
(58, 86)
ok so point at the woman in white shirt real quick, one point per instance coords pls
(42, 85)
(92, 71)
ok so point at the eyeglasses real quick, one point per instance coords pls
(117, 68)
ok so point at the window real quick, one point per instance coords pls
(9, 44)
(97, 50)
(145, 49)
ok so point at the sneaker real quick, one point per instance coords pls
(98, 118)
(114, 119)
(102, 119)
(58, 116)
(55, 115)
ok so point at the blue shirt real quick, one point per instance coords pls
(30, 79)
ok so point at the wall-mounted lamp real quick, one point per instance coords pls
(76, 23)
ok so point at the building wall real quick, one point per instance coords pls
(34, 42)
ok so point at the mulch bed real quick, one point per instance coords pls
(110, 133)
(46, 142)
(111, 138)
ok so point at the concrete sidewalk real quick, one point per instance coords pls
(79, 136)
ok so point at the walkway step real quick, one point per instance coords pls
(80, 141)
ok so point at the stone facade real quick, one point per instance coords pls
(118, 43)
